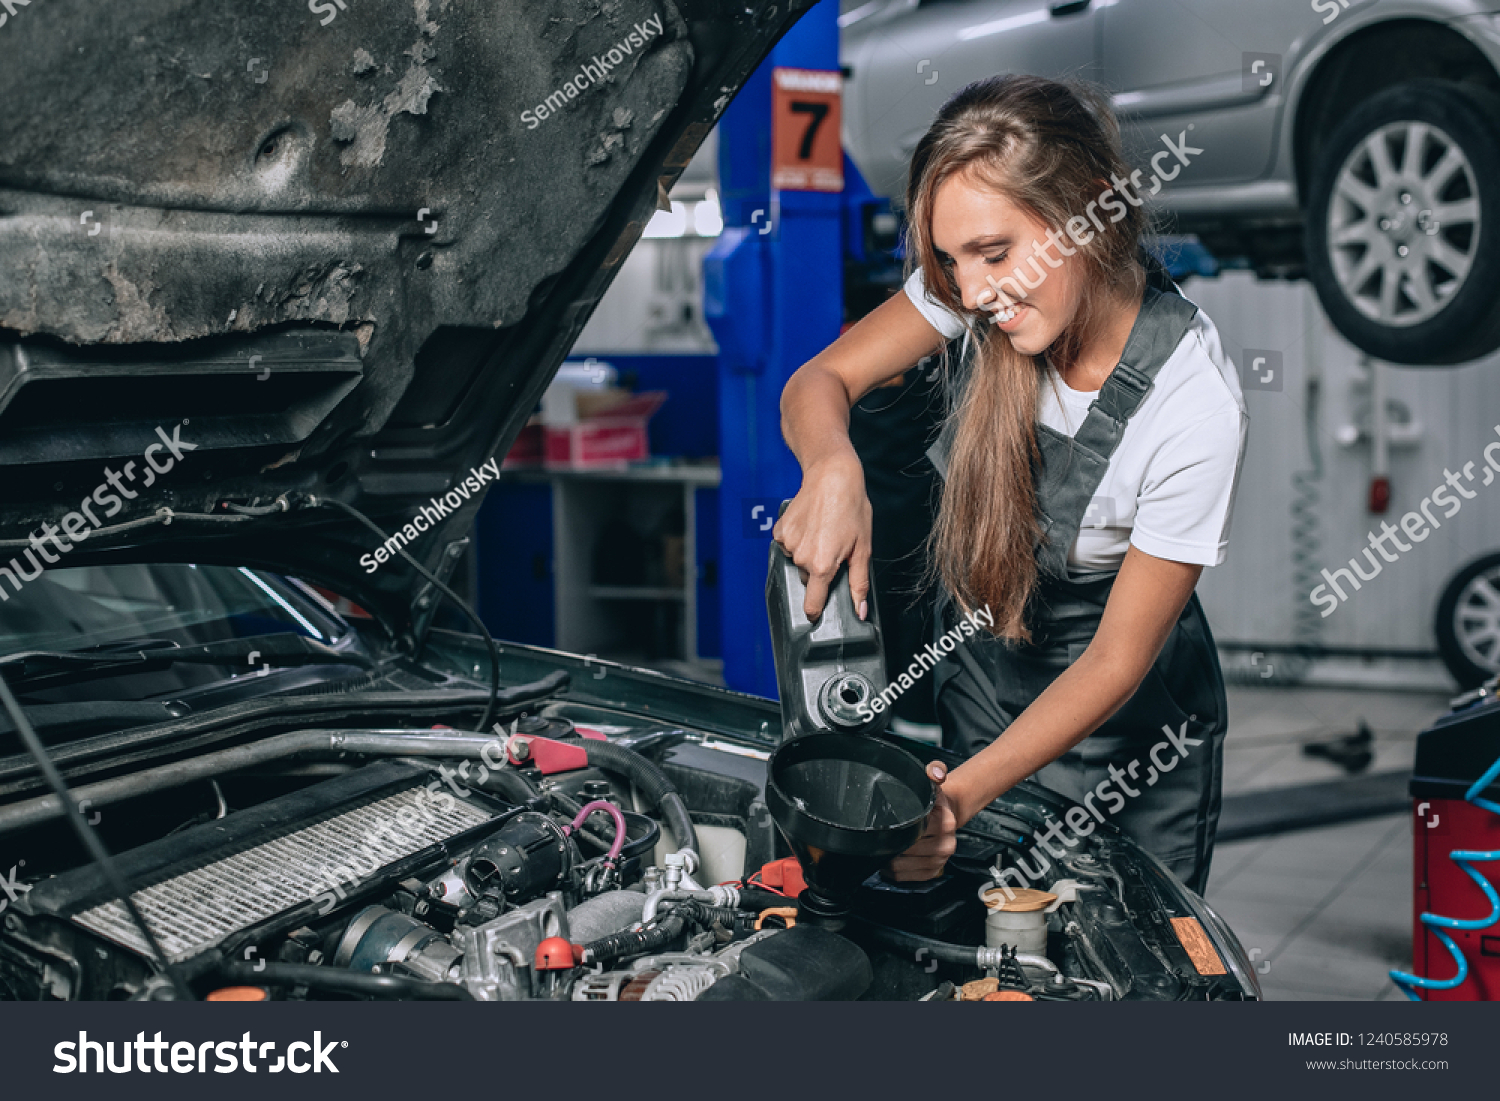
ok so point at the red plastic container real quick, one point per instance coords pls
(1441, 886)
(1454, 754)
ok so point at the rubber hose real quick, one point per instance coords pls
(705, 914)
(652, 781)
(616, 945)
(756, 899)
(938, 950)
(263, 973)
(644, 844)
(514, 788)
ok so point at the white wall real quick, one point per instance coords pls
(1251, 597)
(655, 303)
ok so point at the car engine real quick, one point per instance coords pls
(573, 868)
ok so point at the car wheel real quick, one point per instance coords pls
(1403, 224)
(1468, 622)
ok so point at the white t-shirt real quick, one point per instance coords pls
(1169, 488)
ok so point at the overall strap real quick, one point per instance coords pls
(1164, 320)
(1072, 468)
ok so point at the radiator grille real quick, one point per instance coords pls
(195, 911)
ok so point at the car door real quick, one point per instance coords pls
(1178, 66)
(905, 60)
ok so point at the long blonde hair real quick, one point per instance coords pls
(1050, 148)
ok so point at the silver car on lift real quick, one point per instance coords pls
(1352, 142)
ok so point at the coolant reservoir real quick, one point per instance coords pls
(829, 672)
(1017, 918)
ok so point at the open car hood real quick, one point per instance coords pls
(326, 250)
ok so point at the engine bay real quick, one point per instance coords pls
(587, 856)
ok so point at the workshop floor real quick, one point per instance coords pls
(1324, 913)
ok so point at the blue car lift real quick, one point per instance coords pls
(774, 298)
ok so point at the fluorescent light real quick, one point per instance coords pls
(668, 223)
(850, 18)
(274, 595)
(1000, 26)
(708, 219)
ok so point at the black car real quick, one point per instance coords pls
(275, 295)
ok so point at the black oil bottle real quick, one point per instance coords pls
(830, 672)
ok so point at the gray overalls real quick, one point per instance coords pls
(986, 683)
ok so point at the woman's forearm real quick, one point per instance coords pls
(1070, 709)
(1146, 600)
(815, 417)
(816, 401)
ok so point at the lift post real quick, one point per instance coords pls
(773, 296)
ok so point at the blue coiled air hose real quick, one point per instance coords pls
(1465, 859)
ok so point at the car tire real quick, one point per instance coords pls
(1367, 199)
(1468, 622)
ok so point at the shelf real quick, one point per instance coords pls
(635, 592)
(696, 474)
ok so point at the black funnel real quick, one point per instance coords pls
(846, 803)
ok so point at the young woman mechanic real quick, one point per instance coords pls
(1090, 457)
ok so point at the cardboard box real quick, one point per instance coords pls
(610, 436)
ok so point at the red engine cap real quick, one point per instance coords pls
(553, 954)
(548, 756)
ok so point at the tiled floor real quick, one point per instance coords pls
(1324, 913)
(1268, 727)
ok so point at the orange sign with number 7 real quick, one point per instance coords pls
(806, 152)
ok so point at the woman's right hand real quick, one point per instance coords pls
(827, 524)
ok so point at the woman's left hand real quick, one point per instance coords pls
(925, 860)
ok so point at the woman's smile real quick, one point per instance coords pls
(1009, 319)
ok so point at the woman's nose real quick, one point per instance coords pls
(976, 291)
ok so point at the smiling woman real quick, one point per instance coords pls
(1084, 385)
